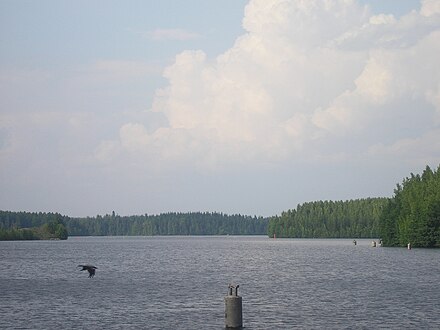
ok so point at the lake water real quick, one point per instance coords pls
(180, 283)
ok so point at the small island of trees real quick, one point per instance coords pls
(32, 226)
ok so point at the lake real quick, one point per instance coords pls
(180, 282)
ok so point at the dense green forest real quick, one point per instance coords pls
(330, 219)
(26, 225)
(196, 223)
(413, 214)
(32, 226)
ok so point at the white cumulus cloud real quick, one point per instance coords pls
(306, 77)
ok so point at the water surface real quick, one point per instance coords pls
(180, 283)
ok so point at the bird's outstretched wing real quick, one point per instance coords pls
(89, 268)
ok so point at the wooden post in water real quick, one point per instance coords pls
(233, 308)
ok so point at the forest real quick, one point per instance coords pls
(32, 226)
(193, 223)
(357, 218)
(413, 214)
(26, 225)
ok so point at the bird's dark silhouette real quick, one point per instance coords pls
(89, 268)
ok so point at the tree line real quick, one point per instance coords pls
(413, 214)
(32, 226)
(27, 225)
(193, 223)
(357, 218)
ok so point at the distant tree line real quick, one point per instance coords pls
(32, 226)
(413, 214)
(27, 225)
(194, 223)
(330, 219)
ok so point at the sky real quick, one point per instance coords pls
(241, 107)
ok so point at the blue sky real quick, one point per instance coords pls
(54, 33)
(234, 106)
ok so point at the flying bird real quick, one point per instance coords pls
(89, 268)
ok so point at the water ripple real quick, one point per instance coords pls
(180, 282)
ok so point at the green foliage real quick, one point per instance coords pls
(413, 214)
(329, 219)
(194, 223)
(30, 226)
(16, 234)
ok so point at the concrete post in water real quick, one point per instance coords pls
(233, 310)
(409, 246)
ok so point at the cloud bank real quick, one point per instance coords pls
(309, 80)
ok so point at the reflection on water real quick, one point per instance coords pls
(180, 282)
